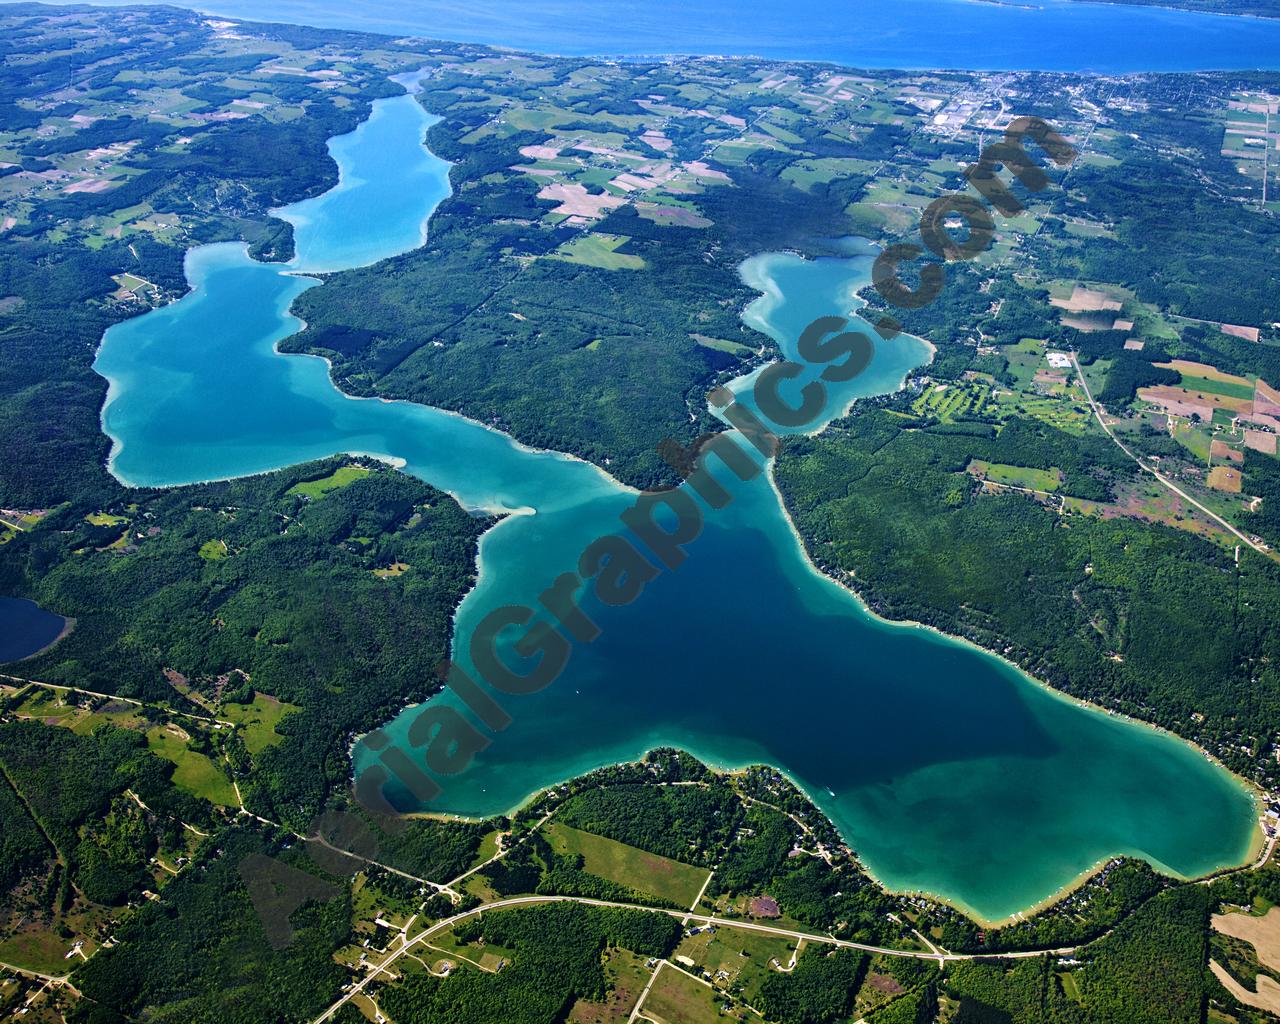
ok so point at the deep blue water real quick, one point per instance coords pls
(26, 628)
(1050, 35)
(946, 768)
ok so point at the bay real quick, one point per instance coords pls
(980, 35)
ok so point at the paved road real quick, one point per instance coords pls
(1097, 412)
(719, 922)
(26, 973)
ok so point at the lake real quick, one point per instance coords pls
(26, 628)
(948, 770)
(1046, 35)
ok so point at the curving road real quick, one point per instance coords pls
(682, 915)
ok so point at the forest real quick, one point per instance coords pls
(291, 600)
(892, 504)
(55, 293)
(558, 959)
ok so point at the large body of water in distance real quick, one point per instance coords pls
(1045, 35)
(948, 770)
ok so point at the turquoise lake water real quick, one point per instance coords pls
(26, 628)
(1047, 35)
(947, 770)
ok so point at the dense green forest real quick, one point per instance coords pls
(53, 296)
(1255, 8)
(202, 956)
(887, 505)
(290, 600)
(74, 788)
(558, 951)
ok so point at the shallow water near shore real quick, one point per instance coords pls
(947, 769)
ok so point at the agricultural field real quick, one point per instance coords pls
(661, 876)
(598, 250)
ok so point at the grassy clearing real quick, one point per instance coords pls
(733, 348)
(1194, 440)
(258, 720)
(38, 949)
(661, 876)
(214, 550)
(195, 773)
(1017, 476)
(677, 998)
(744, 957)
(488, 847)
(340, 477)
(598, 250)
(104, 519)
(626, 977)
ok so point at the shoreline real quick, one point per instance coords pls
(1251, 789)
(847, 63)
(68, 626)
(287, 315)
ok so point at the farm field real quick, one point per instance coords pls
(598, 250)
(661, 876)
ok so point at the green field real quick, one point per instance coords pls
(258, 720)
(195, 773)
(952, 399)
(676, 998)
(1205, 386)
(733, 348)
(1018, 476)
(340, 477)
(661, 876)
(104, 519)
(819, 171)
(597, 250)
(213, 550)
(743, 955)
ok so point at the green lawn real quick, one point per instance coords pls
(195, 773)
(661, 876)
(340, 477)
(1018, 476)
(258, 720)
(598, 250)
